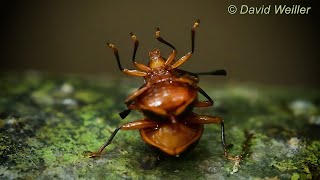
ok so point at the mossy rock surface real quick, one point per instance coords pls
(47, 122)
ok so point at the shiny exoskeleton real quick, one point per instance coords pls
(167, 99)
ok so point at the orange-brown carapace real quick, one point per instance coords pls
(166, 99)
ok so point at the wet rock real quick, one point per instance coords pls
(48, 122)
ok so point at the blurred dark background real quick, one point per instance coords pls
(70, 37)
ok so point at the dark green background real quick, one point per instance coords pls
(70, 36)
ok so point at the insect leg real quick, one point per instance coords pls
(193, 33)
(97, 153)
(203, 103)
(135, 63)
(129, 102)
(174, 51)
(126, 71)
(188, 75)
(218, 72)
(195, 76)
(156, 110)
(181, 60)
(126, 112)
(202, 119)
(187, 56)
(139, 124)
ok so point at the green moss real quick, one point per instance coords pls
(48, 122)
(48, 156)
(285, 165)
(305, 163)
(295, 176)
(87, 96)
